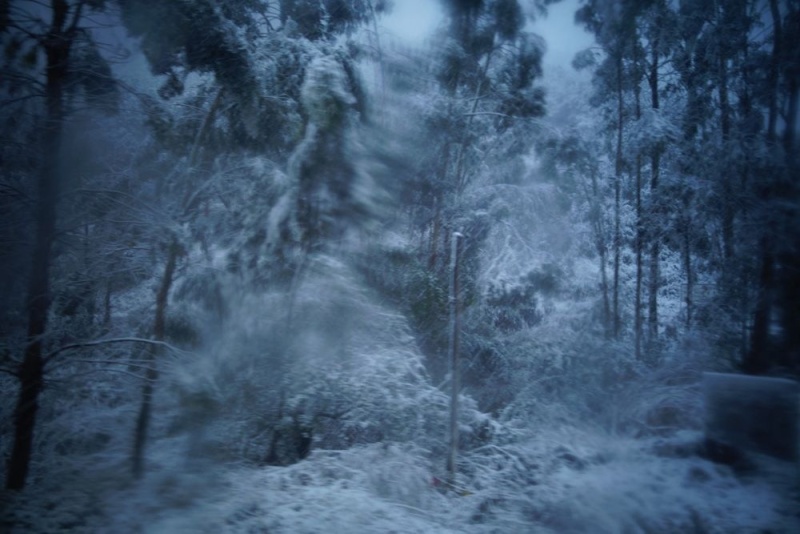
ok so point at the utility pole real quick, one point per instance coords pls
(455, 373)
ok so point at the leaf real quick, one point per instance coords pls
(509, 19)
(584, 59)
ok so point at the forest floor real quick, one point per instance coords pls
(565, 481)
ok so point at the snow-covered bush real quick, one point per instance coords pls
(325, 363)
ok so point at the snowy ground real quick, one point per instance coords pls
(566, 481)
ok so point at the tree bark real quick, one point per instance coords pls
(57, 44)
(460, 181)
(774, 70)
(145, 409)
(655, 164)
(604, 288)
(655, 251)
(455, 364)
(789, 134)
(600, 241)
(639, 262)
(687, 260)
(757, 360)
(727, 188)
(617, 323)
(640, 237)
(434, 243)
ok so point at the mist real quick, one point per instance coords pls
(399, 266)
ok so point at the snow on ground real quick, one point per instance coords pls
(563, 482)
(373, 489)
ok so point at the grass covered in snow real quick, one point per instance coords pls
(559, 481)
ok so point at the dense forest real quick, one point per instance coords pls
(268, 268)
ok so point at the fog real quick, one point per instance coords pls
(363, 266)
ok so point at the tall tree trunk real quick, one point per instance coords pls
(460, 181)
(640, 237)
(191, 201)
(145, 409)
(727, 187)
(655, 251)
(757, 360)
(434, 243)
(639, 263)
(655, 164)
(455, 363)
(617, 323)
(774, 70)
(687, 259)
(604, 288)
(600, 241)
(107, 305)
(789, 134)
(57, 45)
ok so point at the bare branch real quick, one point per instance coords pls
(91, 371)
(29, 34)
(126, 363)
(76, 18)
(490, 113)
(8, 371)
(101, 342)
(5, 103)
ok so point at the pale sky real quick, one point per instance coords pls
(414, 20)
(564, 39)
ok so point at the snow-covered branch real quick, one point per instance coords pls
(101, 342)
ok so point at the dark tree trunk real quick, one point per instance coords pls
(655, 251)
(655, 163)
(455, 363)
(107, 305)
(600, 240)
(640, 237)
(774, 70)
(604, 288)
(727, 188)
(434, 244)
(57, 44)
(617, 323)
(639, 263)
(687, 259)
(789, 134)
(145, 409)
(757, 360)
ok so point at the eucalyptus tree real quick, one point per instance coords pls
(490, 64)
(52, 58)
(488, 68)
(742, 114)
(723, 141)
(615, 28)
(711, 58)
(777, 200)
(578, 164)
(255, 62)
(659, 33)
